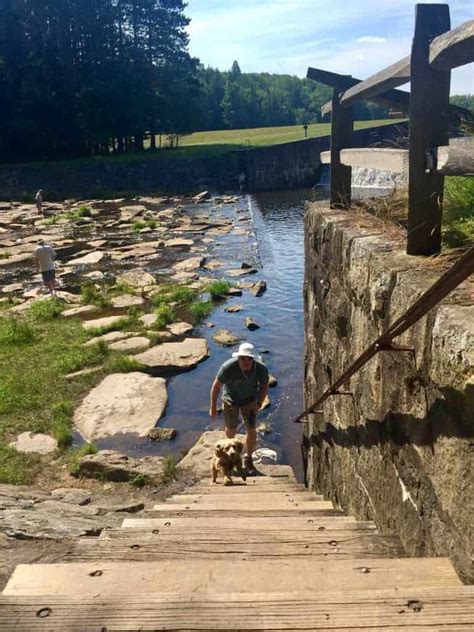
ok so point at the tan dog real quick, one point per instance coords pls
(227, 456)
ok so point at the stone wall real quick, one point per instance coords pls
(297, 164)
(400, 450)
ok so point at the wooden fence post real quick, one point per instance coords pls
(429, 126)
(341, 138)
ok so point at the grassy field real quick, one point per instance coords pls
(264, 136)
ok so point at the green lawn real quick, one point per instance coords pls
(263, 136)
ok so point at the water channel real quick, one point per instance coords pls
(274, 244)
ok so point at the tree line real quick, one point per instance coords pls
(90, 77)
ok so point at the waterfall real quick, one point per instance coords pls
(366, 182)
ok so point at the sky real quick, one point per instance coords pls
(355, 37)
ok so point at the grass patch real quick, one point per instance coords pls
(76, 456)
(121, 288)
(91, 295)
(16, 468)
(141, 224)
(5, 255)
(458, 212)
(61, 428)
(48, 309)
(16, 332)
(119, 363)
(170, 471)
(200, 310)
(164, 316)
(218, 289)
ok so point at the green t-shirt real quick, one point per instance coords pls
(241, 388)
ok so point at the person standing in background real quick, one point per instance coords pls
(44, 258)
(39, 201)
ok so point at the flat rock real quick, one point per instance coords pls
(128, 213)
(162, 434)
(225, 338)
(72, 496)
(38, 443)
(149, 320)
(172, 356)
(129, 402)
(179, 243)
(114, 466)
(112, 336)
(108, 321)
(241, 271)
(234, 308)
(136, 278)
(234, 291)
(83, 310)
(201, 197)
(194, 263)
(90, 259)
(127, 300)
(131, 345)
(180, 329)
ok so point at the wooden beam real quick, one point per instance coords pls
(342, 130)
(392, 99)
(332, 79)
(429, 124)
(454, 48)
(457, 158)
(394, 160)
(395, 75)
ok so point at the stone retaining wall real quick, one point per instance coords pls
(400, 450)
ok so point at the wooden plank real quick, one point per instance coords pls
(341, 137)
(429, 125)
(454, 48)
(423, 609)
(243, 490)
(457, 158)
(223, 503)
(268, 523)
(112, 579)
(238, 546)
(395, 75)
(206, 511)
(253, 498)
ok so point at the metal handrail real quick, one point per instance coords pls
(458, 273)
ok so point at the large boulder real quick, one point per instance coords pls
(175, 356)
(123, 402)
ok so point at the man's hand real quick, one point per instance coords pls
(213, 412)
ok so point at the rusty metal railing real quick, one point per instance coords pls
(458, 273)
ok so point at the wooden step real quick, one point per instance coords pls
(193, 522)
(137, 546)
(107, 580)
(209, 511)
(246, 489)
(403, 608)
(219, 504)
(240, 499)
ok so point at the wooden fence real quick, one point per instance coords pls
(436, 50)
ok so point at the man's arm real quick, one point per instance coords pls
(215, 390)
(262, 393)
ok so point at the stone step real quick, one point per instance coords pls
(245, 499)
(114, 580)
(136, 546)
(190, 523)
(378, 610)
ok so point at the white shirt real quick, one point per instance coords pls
(45, 255)
(38, 197)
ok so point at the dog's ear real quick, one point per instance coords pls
(218, 447)
(239, 445)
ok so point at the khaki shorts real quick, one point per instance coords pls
(231, 415)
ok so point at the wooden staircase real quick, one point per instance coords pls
(265, 555)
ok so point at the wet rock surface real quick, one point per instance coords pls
(175, 356)
(110, 465)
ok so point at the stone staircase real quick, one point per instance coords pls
(265, 555)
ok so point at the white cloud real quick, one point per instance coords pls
(371, 39)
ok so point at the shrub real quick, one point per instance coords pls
(121, 288)
(182, 295)
(170, 471)
(217, 289)
(84, 211)
(458, 212)
(164, 316)
(91, 295)
(200, 310)
(61, 427)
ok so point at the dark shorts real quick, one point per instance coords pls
(48, 275)
(231, 415)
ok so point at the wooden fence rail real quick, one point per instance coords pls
(435, 51)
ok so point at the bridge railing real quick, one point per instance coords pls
(436, 50)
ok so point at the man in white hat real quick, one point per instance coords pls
(244, 384)
(44, 256)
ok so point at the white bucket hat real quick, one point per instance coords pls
(245, 350)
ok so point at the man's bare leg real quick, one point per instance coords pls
(230, 432)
